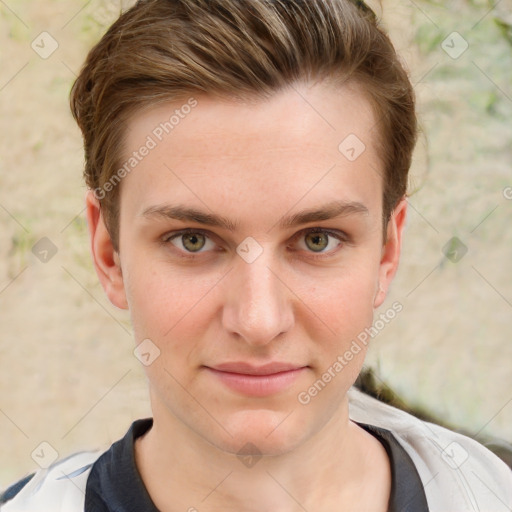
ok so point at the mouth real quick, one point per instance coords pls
(244, 368)
(253, 380)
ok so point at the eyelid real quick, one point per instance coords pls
(341, 236)
(186, 231)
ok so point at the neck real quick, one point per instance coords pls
(183, 471)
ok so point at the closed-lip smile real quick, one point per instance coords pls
(244, 368)
(257, 381)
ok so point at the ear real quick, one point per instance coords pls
(391, 251)
(106, 260)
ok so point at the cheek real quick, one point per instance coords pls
(344, 312)
(164, 301)
(169, 309)
(344, 303)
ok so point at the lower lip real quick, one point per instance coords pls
(258, 385)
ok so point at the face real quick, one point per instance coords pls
(276, 270)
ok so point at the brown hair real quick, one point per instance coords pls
(164, 50)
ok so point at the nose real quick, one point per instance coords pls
(258, 305)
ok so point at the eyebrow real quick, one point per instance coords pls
(331, 210)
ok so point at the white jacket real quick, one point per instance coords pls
(458, 474)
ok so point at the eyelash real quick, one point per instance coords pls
(339, 235)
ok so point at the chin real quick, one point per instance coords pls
(264, 431)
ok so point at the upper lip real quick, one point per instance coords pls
(249, 369)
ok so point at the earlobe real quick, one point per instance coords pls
(106, 260)
(391, 251)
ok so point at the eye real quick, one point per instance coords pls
(189, 240)
(321, 241)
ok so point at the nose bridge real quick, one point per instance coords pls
(258, 307)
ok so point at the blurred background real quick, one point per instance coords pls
(68, 375)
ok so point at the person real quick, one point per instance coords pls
(246, 164)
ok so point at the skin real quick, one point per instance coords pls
(254, 163)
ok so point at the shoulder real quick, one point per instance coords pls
(14, 489)
(457, 472)
(60, 487)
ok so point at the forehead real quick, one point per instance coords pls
(304, 144)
